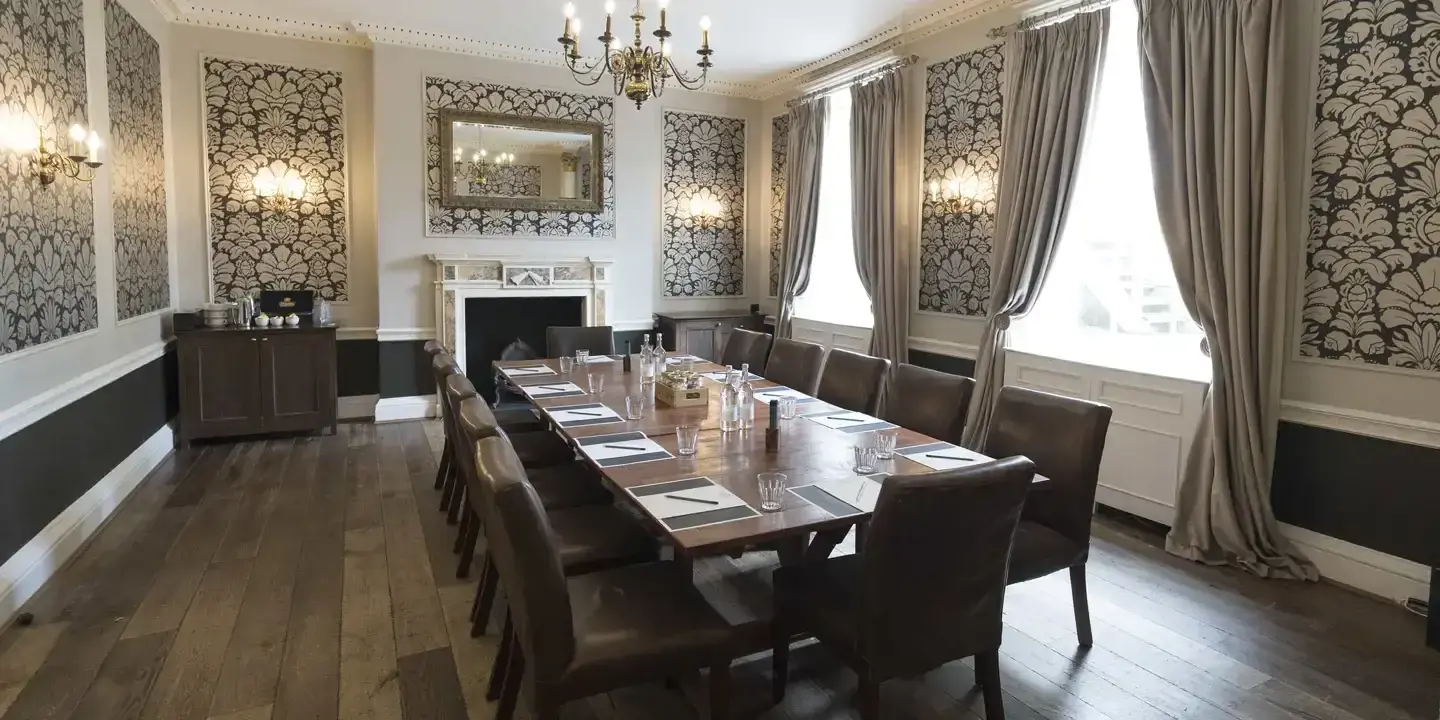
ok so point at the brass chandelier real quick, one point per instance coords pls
(482, 160)
(639, 71)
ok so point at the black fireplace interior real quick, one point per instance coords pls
(491, 324)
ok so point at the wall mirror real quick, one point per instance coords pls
(505, 162)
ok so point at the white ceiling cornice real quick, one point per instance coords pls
(944, 14)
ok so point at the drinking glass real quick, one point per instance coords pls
(582, 357)
(567, 364)
(787, 408)
(635, 407)
(597, 382)
(687, 437)
(772, 490)
(885, 443)
(864, 459)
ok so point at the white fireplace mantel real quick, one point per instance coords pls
(461, 277)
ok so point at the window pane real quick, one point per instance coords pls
(835, 294)
(1111, 297)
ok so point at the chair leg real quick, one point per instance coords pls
(496, 685)
(780, 660)
(460, 535)
(1081, 599)
(484, 578)
(447, 487)
(867, 696)
(720, 691)
(510, 694)
(457, 502)
(486, 601)
(469, 536)
(444, 468)
(987, 674)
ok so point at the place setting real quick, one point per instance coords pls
(942, 456)
(524, 371)
(691, 503)
(843, 497)
(575, 416)
(545, 391)
(849, 422)
(619, 449)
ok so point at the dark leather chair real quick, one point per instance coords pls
(853, 381)
(1065, 438)
(587, 635)
(563, 341)
(746, 346)
(929, 588)
(591, 533)
(442, 366)
(929, 401)
(795, 364)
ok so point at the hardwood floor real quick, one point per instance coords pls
(312, 578)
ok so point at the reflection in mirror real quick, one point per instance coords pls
(500, 161)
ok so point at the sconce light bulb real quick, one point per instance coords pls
(616, 45)
(576, 25)
(664, 4)
(483, 152)
(666, 49)
(705, 23)
(569, 10)
(609, 7)
(77, 133)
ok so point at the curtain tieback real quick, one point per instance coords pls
(1205, 346)
(1002, 322)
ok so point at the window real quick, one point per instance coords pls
(1111, 297)
(835, 294)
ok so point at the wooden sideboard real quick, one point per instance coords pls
(703, 333)
(236, 381)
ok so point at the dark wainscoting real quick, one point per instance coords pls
(48, 465)
(1376, 493)
(945, 363)
(357, 367)
(404, 369)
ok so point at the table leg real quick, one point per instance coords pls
(824, 544)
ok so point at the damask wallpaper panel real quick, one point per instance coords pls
(704, 155)
(1372, 284)
(963, 109)
(137, 165)
(47, 234)
(525, 102)
(257, 114)
(501, 181)
(779, 164)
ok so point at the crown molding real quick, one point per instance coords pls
(939, 17)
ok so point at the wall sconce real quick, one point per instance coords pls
(79, 159)
(705, 209)
(279, 186)
(964, 191)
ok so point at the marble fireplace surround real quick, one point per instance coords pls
(461, 277)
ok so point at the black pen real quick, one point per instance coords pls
(626, 447)
(551, 387)
(842, 417)
(694, 500)
(949, 457)
(581, 412)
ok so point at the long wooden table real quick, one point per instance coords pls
(808, 453)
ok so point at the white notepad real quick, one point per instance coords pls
(550, 389)
(672, 504)
(597, 359)
(527, 371)
(777, 393)
(843, 420)
(860, 493)
(942, 456)
(580, 415)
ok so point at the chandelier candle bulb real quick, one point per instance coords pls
(705, 33)
(609, 15)
(77, 140)
(664, 5)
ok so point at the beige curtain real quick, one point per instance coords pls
(882, 262)
(1212, 72)
(1052, 74)
(802, 204)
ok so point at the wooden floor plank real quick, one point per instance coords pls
(369, 684)
(256, 647)
(309, 686)
(429, 687)
(186, 684)
(260, 713)
(420, 462)
(419, 621)
(169, 598)
(362, 508)
(21, 655)
(256, 503)
(474, 657)
(125, 680)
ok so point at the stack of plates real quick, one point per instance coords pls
(215, 315)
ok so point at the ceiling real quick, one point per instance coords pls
(756, 42)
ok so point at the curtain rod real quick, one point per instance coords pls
(893, 65)
(1030, 23)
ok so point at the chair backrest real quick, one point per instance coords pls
(746, 346)
(795, 364)
(854, 381)
(474, 422)
(520, 542)
(1065, 437)
(929, 401)
(443, 367)
(433, 347)
(562, 341)
(935, 563)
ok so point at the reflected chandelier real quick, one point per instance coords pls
(640, 72)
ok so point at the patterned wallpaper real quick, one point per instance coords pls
(501, 181)
(779, 163)
(1372, 284)
(962, 129)
(137, 165)
(525, 102)
(704, 154)
(257, 114)
(47, 234)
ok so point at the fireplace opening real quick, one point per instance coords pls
(494, 323)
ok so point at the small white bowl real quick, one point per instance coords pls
(276, 321)
(292, 321)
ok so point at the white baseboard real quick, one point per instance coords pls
(38, 561)
(1361, 568)
(356, 407)
(394, 409)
